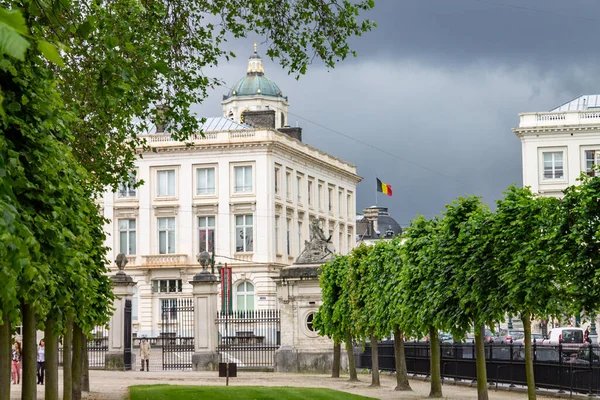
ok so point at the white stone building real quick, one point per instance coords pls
(252, 190)
(558, 145)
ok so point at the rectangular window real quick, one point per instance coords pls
(205, 181)
(206, 234)
(277, 221)
(340, 202)
(300, 246)
(330, 199)
(553, 165)
(243, 179)
(277, 178)
(165, 183)
(592, 157)
(349, 205)
(127, 189)
(288, 245)
(167, 286)
(166, 235)
(288, 185)
(168, 309)
(320, 196)
(299, 188)
(340, 241)
(244, 239)
(127, 236)
(310, 193)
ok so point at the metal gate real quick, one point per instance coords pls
(127, 338)
(177, 333)
(249, 338)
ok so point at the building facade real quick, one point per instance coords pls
(246, 191)
(560, 144)
(557, 146)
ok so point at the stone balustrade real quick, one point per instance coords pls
(164, 259)
(563, 118)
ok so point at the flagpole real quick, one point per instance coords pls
(376, 203)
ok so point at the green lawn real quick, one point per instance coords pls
(164, 392)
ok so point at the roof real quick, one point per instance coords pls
(215, 124)
(386, 226)
(581, 103)
(255, 83)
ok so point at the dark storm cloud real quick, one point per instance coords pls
(438, 87)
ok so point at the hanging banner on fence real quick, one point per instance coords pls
(226, 288)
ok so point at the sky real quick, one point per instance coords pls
(429, 103)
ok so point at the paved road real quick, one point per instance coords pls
(112, 385)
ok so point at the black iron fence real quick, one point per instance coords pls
(97, 347)
(177, 333)
(249, 338)
(567, 367)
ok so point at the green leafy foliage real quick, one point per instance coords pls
(131, 64)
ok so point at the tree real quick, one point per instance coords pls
(578, 245)
(468, 279)
(51, 222)
(524, 231)
(385, 264)
(333, 318)
(362, 284)
(420, 297)
(132, 63)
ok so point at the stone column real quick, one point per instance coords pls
(205, 292)
(122, 285)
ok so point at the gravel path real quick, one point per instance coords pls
(112, 385)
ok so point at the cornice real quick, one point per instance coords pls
(564, 129)
(265, 144)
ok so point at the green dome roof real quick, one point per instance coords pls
(255, 82)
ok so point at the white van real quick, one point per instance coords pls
(565, 335)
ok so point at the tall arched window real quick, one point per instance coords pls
(245, 296)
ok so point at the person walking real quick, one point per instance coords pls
(586, 335)
(41, 362)
(16, 363)
(145, 353)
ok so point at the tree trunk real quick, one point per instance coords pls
(76, 363)
(482, 391)
(5, 360)
(436, 375)
(51, 379)
(85, 373)
(351, 361)
(401, 372)
(68, 360)
(337, 355)
(374, 362)
(528, 357)
(29, 359)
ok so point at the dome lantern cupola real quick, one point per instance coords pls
(255, 92)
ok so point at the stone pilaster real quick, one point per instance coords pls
(122, 285)
(205, 292)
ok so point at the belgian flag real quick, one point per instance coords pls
(383, 188)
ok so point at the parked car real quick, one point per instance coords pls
(506, 335)
(537, 337)
(488, 338)
(565, 335)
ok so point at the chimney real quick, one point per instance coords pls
(295, 132)
(259, 118)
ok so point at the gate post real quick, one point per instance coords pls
(122, 285)
(205, 292)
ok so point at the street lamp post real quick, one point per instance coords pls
(510, 324)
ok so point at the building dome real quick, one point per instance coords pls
(255, 83)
